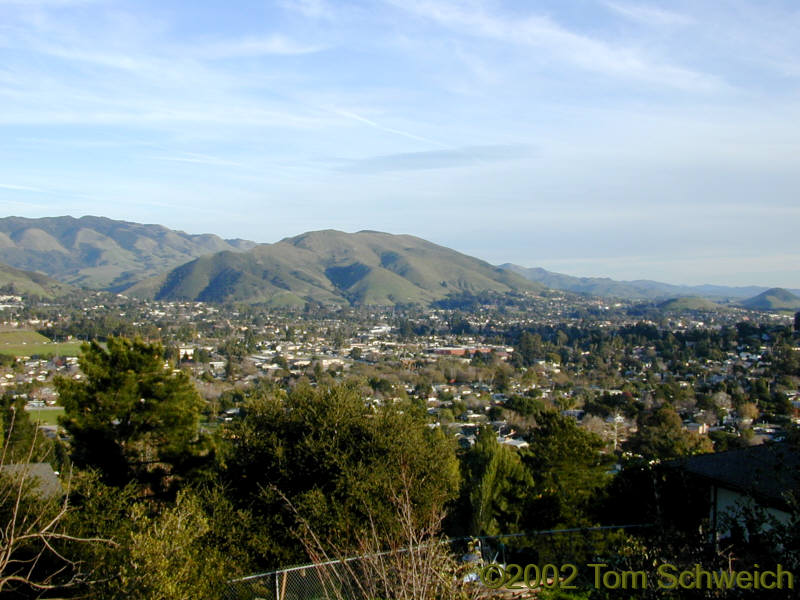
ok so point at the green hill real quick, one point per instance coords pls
(329, 266)
(101, 253)
(16, 281)
(773, 299)
(689, 303)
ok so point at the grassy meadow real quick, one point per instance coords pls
(21, 342)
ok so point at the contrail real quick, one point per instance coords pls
(361, 119)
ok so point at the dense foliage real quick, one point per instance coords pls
(182, 474)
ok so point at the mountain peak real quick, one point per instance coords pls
(368, 268)
(773, 299)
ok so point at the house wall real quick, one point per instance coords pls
(730, 502)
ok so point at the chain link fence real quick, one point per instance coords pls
(337, 579)
(332, 579)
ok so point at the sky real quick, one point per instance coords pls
(592, 137)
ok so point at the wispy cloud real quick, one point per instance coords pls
(313, 9)
(199, 159)
(256, 46)
(576, 49)
(649, 15)
(441, 159)
(145, 109)
(46, 3)
(20, 188)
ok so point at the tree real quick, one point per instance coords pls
(748, 411)
(164, 556)
(661, 435)
(37, 544)
(568, 467)
(495, 486)
(132, 417)
(161, 550)
(338, 461)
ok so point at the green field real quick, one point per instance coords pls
(45, 416)
(21, 336)
(29, 343)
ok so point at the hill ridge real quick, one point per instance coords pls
(639, 289)
(102, 253)
(773, 299)
(331, 266)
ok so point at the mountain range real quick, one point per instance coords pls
(641, 289)
(101, 253)
(367, 267)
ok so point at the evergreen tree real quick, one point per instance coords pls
(132, 417)
(495, 486)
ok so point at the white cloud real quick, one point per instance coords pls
(200, 159)
(20, 188)
(46, 3)
(441, 159)
(256, 46)
(650, 15)
(313, 9)
(579, 50)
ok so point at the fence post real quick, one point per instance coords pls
(283, 585)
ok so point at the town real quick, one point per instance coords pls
(728, 374)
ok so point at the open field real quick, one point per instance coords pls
(49, 349)
(21, 336)
(45, 416)
(18, 342)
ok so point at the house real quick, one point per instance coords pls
(44, 480)
(761, 477)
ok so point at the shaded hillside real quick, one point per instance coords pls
(641, 289)
(773, 299)
(101, 253)
(16, 281)
(329, 266)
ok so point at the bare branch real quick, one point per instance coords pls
(33, 545)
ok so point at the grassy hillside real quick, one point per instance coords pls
(101, 253)
(367, 267)
(16, 281)
(689, 303)
(773, 299)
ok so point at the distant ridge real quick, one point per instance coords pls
(773, 299)
(101, 253)
(641, 289)
(327, 266)
(364, 268)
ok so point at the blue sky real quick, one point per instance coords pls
(591, 137)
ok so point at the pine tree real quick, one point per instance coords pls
(131, 417)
